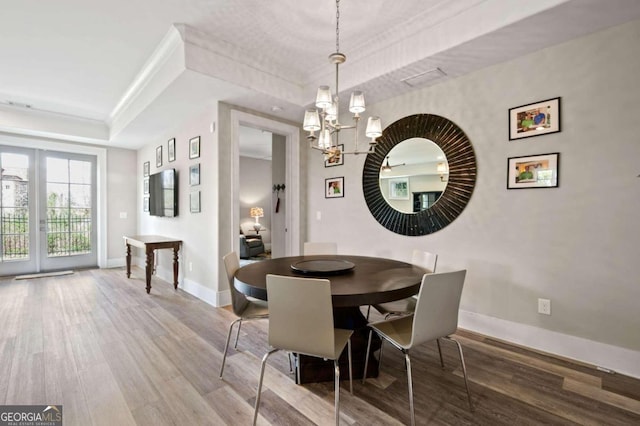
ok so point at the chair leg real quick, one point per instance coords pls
(336, 367)
(226, 346)
(440, 352)
(464, 371)
(238, 335)
(350, 367)
(366, 360)
(264, 363)
(368, 311)
(380, 356)
(410, 385)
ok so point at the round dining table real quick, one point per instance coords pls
(355, 281)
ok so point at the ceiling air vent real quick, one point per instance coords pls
(424, 77)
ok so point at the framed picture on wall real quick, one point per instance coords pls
(171, 150)
(159, 156)
(145, 204)
(194, 175)
(540, 118)
(194, 147)
(194, 202)
(335, 158)
(145, 186)
(334, 187)
(533, 171)
(145, 168)
(399, 188)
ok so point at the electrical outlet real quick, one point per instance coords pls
(190, 266)
(544, 306)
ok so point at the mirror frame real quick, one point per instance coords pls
(460, 156)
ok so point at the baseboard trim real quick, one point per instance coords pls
(600, 355)
(118, 262)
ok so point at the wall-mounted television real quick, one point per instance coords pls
(163, 193)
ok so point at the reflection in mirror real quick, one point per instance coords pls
(414, 175)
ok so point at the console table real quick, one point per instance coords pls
(150, 243)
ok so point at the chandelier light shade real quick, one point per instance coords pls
(325, 120)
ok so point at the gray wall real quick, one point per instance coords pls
(577, 244)
(255, 191)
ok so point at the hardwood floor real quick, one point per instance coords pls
(113, 355)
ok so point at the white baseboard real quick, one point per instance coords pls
(118, 262)
(204, 293)
(614, 358)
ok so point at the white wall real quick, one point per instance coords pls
(198, 231)
(576, 245)
(121, 198)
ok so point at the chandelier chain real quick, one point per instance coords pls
(337, 25)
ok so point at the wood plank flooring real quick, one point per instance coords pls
(96, 343)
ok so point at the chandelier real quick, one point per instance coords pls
(324, 119)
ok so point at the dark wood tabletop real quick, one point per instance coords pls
(372, 280)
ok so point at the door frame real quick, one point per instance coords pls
(292, 175)
(101, 177)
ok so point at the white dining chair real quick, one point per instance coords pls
(312, 248)
(301, 321)
(246, 309)
(405, 306)
(435, 317)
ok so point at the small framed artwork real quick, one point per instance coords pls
(145, 185)
(159, 156)
(540, 118)
(399, 188)
(533, 171)
(335, 158)
(145, 168)
(194, 175)
(194, 201)
(194, 147)
(171, 150)
(145, 204)
(334, 187)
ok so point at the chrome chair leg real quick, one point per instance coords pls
(380, 356)
(226, 346)
(336, 367)
(440, 352)
(464, 371)
(350, 367)
(235, 346)
(264, 363)
(366, 360)
(410, 385)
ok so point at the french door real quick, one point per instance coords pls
(48, 211)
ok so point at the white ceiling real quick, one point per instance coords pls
(123, 72)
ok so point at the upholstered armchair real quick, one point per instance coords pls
(250, 245)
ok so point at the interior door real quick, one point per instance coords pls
(67, 214)
(18, 253)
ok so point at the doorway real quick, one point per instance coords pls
(47, 210)
(289, 210)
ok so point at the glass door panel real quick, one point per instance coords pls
(70, 212)
(17, 217)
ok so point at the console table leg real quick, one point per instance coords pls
(149, 269)
(175, 268)
(128, 261)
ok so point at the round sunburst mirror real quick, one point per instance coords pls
(420, 208)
